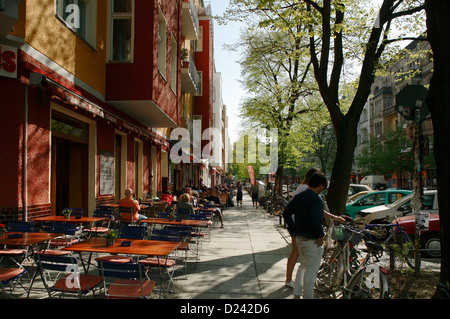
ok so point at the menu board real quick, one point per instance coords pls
(106, 173)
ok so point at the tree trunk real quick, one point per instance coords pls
(340, 177)
(438, 104)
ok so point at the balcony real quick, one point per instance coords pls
(190, 25)
(8, 16)
(189, 76)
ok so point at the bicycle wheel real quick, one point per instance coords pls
(367, 285)
(406, 248)
(330, 274)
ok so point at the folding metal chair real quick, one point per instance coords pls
(70, 234)
(17, 255)
(102, 227)
(61, 274)
(126, 232)
(127, 215)
(125, 281)
(177, 236)
(9, 278)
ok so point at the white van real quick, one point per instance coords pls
(374, 182)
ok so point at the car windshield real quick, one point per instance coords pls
(400, 201)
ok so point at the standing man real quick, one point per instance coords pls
(307, 208)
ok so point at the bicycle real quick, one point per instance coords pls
(342, 270)
(398, 238)
(340, 260)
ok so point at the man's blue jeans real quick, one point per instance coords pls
(310, 256)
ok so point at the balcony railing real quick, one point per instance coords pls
(190, 25)
(189, 76)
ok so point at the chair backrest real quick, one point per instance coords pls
(183, 213)
(126, 214)
(197, 217)
(65, 229)
(170, 234)
(133, 232)
(163, 215)
(24, 227)
(56, 267)
(76, 211)
(104, 211)
(130, 275)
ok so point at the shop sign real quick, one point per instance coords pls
(8, 61)
(74, 100)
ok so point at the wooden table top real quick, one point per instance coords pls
(27, 239)
(183, 222)
(54, 218)
(138, 247)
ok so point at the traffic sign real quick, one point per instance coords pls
(410, 98)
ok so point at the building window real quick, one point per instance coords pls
(200, 84)
(162, 43)
(80, 16)
(199, 41)
(122, 31)
(173, 64)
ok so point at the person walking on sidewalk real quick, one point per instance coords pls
(239, 194)
(292, 259)
(307, 227)
(254, 190)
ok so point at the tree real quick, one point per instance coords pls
(328, 29)
(438, 104)
(275, 70)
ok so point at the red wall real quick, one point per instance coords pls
(141, 79)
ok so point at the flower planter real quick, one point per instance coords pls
(110, 241)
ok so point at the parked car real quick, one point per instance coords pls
(399, 208)
(430, 239)
(375, 182)
(357, 196)
(375, 198)
(357, 188)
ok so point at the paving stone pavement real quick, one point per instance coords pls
(244, 260)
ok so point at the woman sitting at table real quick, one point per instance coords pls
(184, 203)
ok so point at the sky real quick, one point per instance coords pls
(227, 65)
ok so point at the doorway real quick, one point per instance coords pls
(69, 163)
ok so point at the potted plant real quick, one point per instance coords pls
(111, 235)
(66, 213)
(184, 55)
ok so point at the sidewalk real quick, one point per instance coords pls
(244, 260)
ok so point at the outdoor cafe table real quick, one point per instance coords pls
(75, 220)
(138, 247)
(183, 222)
(27, 240)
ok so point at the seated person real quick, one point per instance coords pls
(167, 197)
(184, 203)
(128, 201)
(194, 202)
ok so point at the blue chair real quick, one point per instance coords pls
(125, 232)
(183, 213)
(61, 274)
(10, 278)
(133, 232)
(70, 234)
(101, 228)
(125, 281)
(76, 211)
(127, 215)
(17, 255)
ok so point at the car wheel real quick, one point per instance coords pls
(432, 242)
(381, 232)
